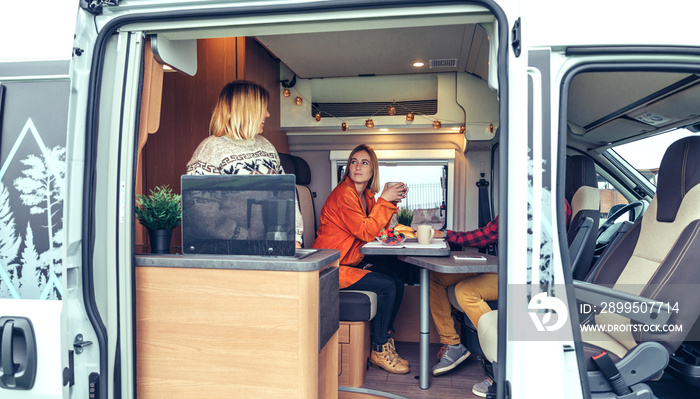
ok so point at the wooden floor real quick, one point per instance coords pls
(456, 384)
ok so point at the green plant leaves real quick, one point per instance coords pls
(405, 217)
(161, 210)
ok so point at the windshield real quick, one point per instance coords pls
(645, 155)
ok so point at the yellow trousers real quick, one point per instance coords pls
(472, 292)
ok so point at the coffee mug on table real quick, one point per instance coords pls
(425, 233)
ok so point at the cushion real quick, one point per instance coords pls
(357, 305)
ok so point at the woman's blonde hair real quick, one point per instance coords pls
(373, 183)
(240, 110)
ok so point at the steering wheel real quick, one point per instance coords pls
(631, 208)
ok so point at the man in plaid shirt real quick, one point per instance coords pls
(472, 291)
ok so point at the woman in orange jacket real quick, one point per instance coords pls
(349, 219)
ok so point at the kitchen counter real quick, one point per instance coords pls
(313, 259)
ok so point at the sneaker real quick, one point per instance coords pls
(482, 388)
(450, 356)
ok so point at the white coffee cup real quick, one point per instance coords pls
(425, 233)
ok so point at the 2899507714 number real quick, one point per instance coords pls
(638, 307)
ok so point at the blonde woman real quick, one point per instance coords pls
(235, 146)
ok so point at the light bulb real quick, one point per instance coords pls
(369, 123)
(298, 100)
(287, 92)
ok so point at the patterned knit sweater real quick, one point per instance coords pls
(225, 156)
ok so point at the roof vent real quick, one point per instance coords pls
(444, 63)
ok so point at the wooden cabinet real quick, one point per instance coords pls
(222, 333)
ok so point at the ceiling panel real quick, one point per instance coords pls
(370, 52)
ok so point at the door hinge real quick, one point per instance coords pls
(515, 41)
(79, 344)
(95, 6)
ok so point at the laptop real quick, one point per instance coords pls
(239, 215)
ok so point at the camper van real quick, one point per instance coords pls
(482, 108)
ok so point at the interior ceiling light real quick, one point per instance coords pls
(383, 130)
(418, 64)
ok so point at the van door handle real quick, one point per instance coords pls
(17, 353)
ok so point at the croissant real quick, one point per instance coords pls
(406, 230)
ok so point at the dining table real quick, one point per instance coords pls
(438, 257)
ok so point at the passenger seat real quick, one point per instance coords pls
(581, 190)
(297, 166)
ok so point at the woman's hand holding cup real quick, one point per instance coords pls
(394, 192)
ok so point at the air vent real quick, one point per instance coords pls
(364, 109)
(444, 63)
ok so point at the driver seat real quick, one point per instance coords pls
(581, 190)
(655, 262)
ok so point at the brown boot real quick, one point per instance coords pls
(393, 347)
(385, 356)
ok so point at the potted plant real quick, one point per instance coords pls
(405, 217)
(160, 212)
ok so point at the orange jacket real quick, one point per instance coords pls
(345, 226)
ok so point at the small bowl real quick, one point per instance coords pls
(399, 241)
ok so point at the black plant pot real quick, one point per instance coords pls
(160, 241)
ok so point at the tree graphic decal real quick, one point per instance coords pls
(31, 266)
(9, 244)
(41, 189)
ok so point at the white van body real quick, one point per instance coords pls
(85, 330)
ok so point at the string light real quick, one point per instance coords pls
(369, 123)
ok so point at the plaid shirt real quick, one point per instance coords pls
(482, 237)
(486, 235)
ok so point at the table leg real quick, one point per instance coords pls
(424, 376)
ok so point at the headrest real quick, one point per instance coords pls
(303, 171)
(678, 173)
(580, 171)
(287, 163)
(294, 165)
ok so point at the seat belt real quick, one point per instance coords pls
(485, 212)
(610, 371)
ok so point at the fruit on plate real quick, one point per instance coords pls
(389, 236)
(406, 230)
